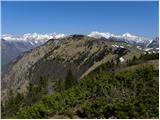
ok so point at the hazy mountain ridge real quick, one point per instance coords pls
(11, 50)
(13, 46)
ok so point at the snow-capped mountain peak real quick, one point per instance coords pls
(100, 34)
(108, 35)
(59, 36)
(32, 37)
(126, 37)
(9, 37)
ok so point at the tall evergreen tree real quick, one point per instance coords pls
(70, 79)
(60, 85)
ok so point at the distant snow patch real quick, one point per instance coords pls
(121, 46)
(138, 47)
(117, 46)
(36, 41)
(31, 43)
(121, 59)
(147, 49)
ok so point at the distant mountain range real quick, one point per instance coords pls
(127, 37)
(13, 46)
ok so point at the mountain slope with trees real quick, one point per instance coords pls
(81, 77)
(126, 94)
(78, 53)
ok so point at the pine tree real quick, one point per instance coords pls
(118, 62)
(42, 85)
(134, 58)
(60, 85)
(70, 80)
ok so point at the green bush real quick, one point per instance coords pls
(126, 94)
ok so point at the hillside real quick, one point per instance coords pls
(78, 53)
(11, 50)
(59, 65)
(127, 94)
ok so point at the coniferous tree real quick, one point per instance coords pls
(60, 85)
(70, 80)
(134, 58)
(118, 61)
(42, 85)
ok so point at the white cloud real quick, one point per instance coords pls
(121, 59)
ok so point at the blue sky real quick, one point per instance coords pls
(139, 18)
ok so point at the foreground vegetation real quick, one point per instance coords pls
(102, 94)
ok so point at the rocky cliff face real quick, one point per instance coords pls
(78, 53)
